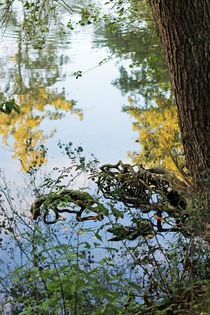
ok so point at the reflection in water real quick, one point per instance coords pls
(145, 81)
(146, 75)
(158, 134)
(42, 83)
(26, 125)
(30, 79)
(143, 78)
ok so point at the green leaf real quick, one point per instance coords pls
(98, 236)
(77, 74)
(7, 106)
(87, 245)
(134, 286)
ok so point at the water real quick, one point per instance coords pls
(58, 107)
(55, 106)
(43, 84)
(100, 126)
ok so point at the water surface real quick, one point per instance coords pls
(55, 106)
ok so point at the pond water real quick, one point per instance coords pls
(103, 110)
(55, 106)
(43, 84)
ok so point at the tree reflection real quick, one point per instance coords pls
(144, 79)
(158, 135)
(30, 78)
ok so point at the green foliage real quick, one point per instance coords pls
(77, 74)
(60, 278)
(7, 106)
(67, 278)
(60, 271)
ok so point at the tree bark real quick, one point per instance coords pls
(183, 27)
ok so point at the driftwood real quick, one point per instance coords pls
(148, 190)
(74, 199)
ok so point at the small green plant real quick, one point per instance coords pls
(66, 278)
(7, 106)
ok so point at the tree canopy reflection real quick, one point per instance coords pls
(144, 79)
(30, 79)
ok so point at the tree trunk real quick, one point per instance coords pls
(183, 27)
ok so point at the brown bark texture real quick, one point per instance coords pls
(184, 30)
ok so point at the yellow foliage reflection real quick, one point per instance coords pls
(159, 135)
(36, 105)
